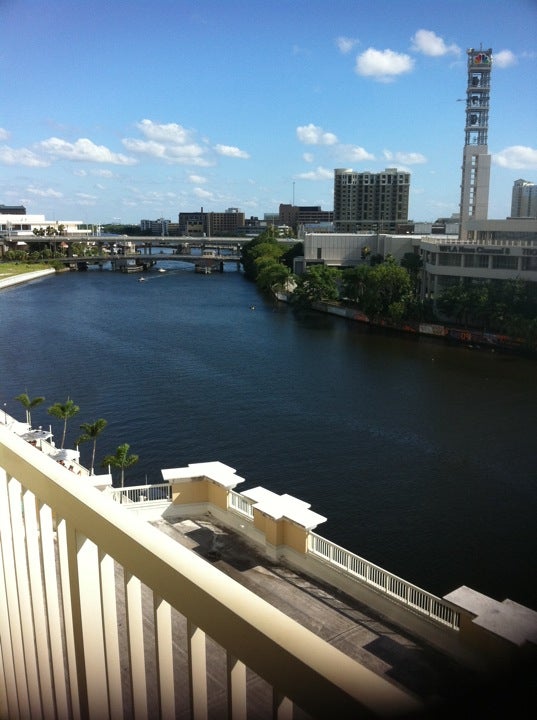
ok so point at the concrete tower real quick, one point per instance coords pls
(476, 158)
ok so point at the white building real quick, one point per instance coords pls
(18, 227)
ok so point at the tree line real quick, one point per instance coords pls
(65, 411)
(386, 290)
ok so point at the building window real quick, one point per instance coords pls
(529, 263)
(504, 262)
(476, 261)
(450, 260)
(319, 253)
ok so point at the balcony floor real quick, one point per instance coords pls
(341, 621)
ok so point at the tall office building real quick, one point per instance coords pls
(524, 199)
(370, 201)
(476, 158)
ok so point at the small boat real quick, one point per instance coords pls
(161, 270)
(142, 279)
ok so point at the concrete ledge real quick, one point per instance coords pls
(507, 620)
(24, 277)
(216, 471)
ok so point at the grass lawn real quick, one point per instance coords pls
(8, 269)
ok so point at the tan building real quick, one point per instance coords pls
(370, 201)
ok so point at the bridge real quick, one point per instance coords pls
(136, 262)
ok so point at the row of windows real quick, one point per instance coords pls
(496, 262)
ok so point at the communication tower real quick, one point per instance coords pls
(476, 158)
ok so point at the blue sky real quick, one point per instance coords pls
(117, 111)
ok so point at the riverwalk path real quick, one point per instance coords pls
(11, 280)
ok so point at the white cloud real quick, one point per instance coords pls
(188, 154)
(355, 153)
(406, 158)
(21, 156)
(504, 58)
(201, 193)
(319, 173)
(197, 179)
(308, 157)
(83, 149)
(429, 43)
(231, 151)
(48, 193)
(169, 142)
(346, 44)
(3, 134)
(383, 65)
(313, 135)
(167, 133)
(516, 157)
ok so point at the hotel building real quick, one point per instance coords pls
(370, 201)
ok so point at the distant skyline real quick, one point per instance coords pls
(128, 110)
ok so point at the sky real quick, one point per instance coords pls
(118, 111)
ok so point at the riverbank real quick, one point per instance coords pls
(10, 280)
(463, 336)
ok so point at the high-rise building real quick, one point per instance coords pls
(370, 201)
(476, 159)
(524, 199)
(211, 223)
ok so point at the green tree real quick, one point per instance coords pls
(293, 252)
(63, 411)
(413, 265)
(319, 282)
(29, 405)
(263, 244)
(272, 276)
(91, 432)
(121, 460)
(464, 302)
(388, 290)
(355, 282)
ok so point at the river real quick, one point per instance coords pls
(420, 455)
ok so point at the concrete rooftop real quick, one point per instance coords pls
(444, 686)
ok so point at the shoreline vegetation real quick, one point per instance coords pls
(385, 294)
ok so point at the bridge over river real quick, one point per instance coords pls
(138, 262)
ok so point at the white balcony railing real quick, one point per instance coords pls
(384, 582)
(241, 504)
(161, 492)
(104, 616)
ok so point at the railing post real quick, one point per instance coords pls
(33, 555)
(197, 668)
(10, 622)
(236, 688)
(164, 656)
(133, 603)
(24, 595)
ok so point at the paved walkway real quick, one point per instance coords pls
(345, 623)
(23, 277)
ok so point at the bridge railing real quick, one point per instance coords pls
(384, 582)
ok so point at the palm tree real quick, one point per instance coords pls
(92, 432)
(64, 411)
(121, 460)
(29, 404)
